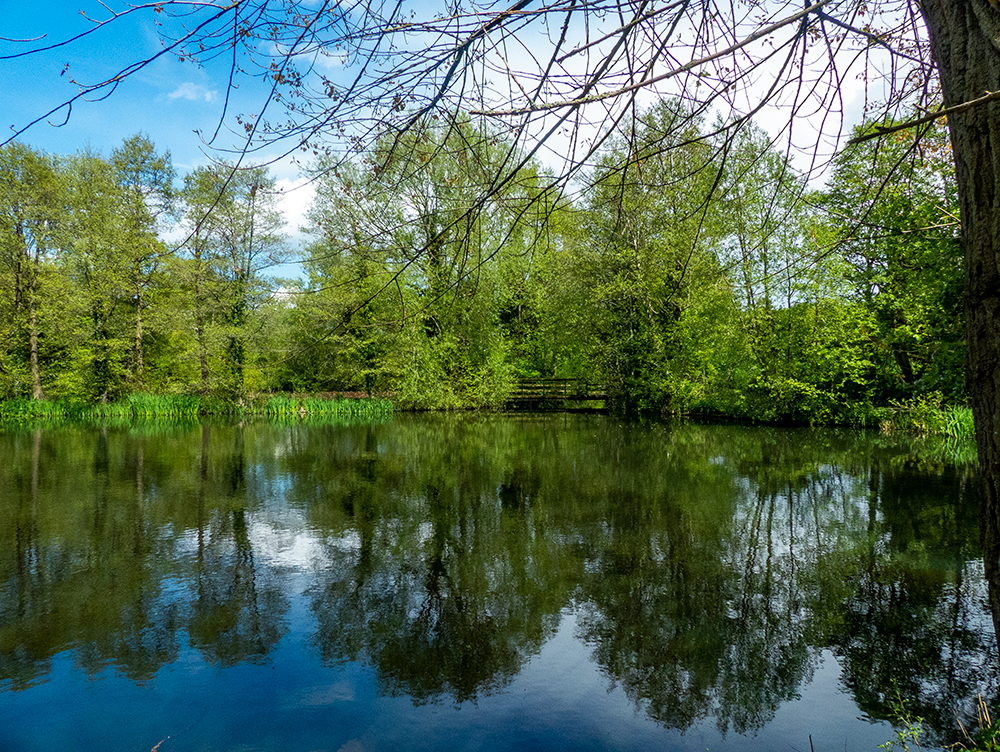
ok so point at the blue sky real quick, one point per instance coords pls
(168, 100)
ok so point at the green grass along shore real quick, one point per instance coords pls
(147, 406)
(924, 416)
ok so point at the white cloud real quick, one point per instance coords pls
(194, 93)
(296, 196)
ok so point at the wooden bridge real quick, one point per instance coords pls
(556, 394)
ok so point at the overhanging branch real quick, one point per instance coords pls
(885, 130)
(693, 64)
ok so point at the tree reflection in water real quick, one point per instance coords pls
(444, 591)
(707, 567)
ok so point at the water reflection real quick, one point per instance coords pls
(444, 590)
(707, 568)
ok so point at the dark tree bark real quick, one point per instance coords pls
(965, 44)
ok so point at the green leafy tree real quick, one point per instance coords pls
(145, 179)
(802, 351)
(648, 219)
(403, 224)
(31, 211)
(346, 332)
(250, 241)
(453, 242)
(97, 267)
(234, 236)
(765, 247)
(892, 206)
(198, 272)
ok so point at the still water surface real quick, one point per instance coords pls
(483, 583)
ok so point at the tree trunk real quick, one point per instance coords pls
(199, 320)
(32, 289)
(965, 43)
(202, 346)
(36, 373)
(137, 376)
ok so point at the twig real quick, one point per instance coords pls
(649, 81)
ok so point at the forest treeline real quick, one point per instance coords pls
(695, 272)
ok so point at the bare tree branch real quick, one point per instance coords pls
(884, 130)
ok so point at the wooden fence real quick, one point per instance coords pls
(555, 394)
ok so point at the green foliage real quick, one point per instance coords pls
(145, 187)
(425, 383)
(911, 732)
(133, 406)
(909, 728)
(415, 285)
(32, 214)
(647, 220)
(279, 406)
(491, 383)
(892, 209)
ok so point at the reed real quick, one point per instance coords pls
(984, 739)
(286, 406)
(928, 416)
(141, 406)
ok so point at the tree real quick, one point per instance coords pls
(95, 262)
(249, 242)
(398, 73)
(199, 272)
(31, 210)
(648, 221)
(146, 182)
(346, 327)
(892, 209)
(410, 263)
(763, 243)
(963, 40)
(810, 349)
(234, 235)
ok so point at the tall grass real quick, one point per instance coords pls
(285, 406)
(141, 407)
(131, 407)
(928, 416)
(910, 732)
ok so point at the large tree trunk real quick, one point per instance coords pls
(965, 43)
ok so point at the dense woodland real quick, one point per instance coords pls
(692, 270)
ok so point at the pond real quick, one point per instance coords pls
(547, 582)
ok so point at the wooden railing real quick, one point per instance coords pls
(540, 394)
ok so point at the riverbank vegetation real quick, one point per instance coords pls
(693, 271)
(191, 407)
